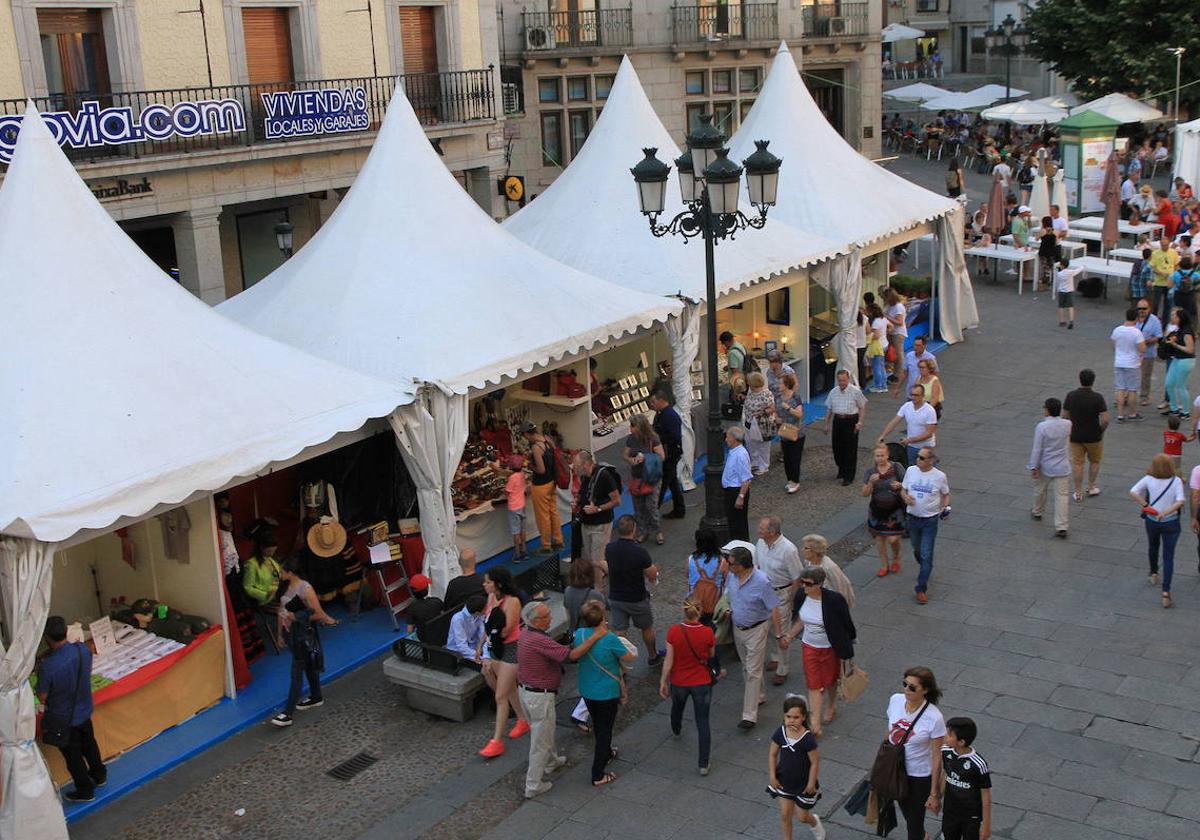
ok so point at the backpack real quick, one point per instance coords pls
(652, 468)
(706, 593)
(1187, 282)
(748, 365)
(562, 471)
(596, 480)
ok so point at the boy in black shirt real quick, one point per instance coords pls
(966, 785)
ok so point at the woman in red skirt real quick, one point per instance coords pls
(821, 620)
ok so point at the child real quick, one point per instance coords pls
(1064, 285)
(792, 769)
(1173, 441)
(965, 786)
(1048, 254)
(514, 488)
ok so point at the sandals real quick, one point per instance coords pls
(1167, 602)
(582, 726)
(606, 779)
(660, 539)
(1093, 491)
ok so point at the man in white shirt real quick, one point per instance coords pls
(926, 492)
(1128, 346)
(1050, 465)
(1059, 222)
(1129, 190)
(777, 557)
(920, 421)
(1004, 171)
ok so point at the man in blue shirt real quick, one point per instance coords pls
(754, 611)
(669, 427)
(735, 483)
(466, 629)
(1152, 332)
(912, 360)
(64, 685)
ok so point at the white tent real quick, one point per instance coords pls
(1186, 151)
(596, 192)
(1065, 100)
(828, 188)
(899, 32)
(915, 92)
(1025, 113)
(1122, 108)
(119, 392)
(411, 281)
(959, 101)
(998, 91)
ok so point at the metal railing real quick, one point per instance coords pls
(136, 124)
(725, 22)
(835, 20)
(572, 30)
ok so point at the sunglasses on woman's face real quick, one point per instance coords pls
(911, 686)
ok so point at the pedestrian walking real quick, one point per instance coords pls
(812, 552)
(64, 685)
(920, 423)
(915, 720)
(582, 581)
(645, 455)
(735, 483)
(929, 379)
(965, 787)
(1152, 331)
(793, 765)
(1181, 345)
(687, 675)
(821, 620)
(503, 626)
(1159, 494)
(602, 685)
(754, 611)
(897, 317)
(1128, 348)
(540, 662)
(629, 568)
(1049, 465)
(1048, 254)
(846, 409)
(758, 418)
(1064, 293)
(1088, 414)
(789, 409)
(885, 510)
(706, 581)
(669, 427)
(599, 495)
(1173, 441)
(910, 372)
(777, 557)
(300, 613)
(926, 492)
(877, 348)
(1163, 263)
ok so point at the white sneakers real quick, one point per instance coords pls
(817, 829)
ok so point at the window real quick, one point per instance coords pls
(722, 81)
(748, 79)
(577, 89)
(552, 146)
(603, 86)
(580, 123)
(693, 116)
(744, 109)
(418, 38)
(268, 34)
(73, 51)
(723, 117)
(927, 5)
(978, 40)
(694, 82)
(549, 90)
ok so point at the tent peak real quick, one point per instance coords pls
(783, 47)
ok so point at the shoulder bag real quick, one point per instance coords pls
(56, 732)
(889, 773)
(853, 683)
(620, 680)
(714, 664)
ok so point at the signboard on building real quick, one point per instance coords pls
(308, 113)
(121, 188)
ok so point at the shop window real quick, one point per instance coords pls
(722, 81)
(603, 86)
(723, 117)
(748, 79)
(550, 90)
(577, 89)
(693, 82)
(744, 109)
(693, 115)
(73, 51)
(552, 141)
(580, 124)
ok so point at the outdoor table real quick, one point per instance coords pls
(1006, 253)
(1085, 235)
(1096, 223)
(1072, 248)
(1126, 253)
(1101, 267)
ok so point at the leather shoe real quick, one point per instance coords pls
(746, 725)
(922, 598)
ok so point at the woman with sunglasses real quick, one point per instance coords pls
(914, 713)
(821, 620)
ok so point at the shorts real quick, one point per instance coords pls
(1093, 451)
(516, 522)
(620, 612)
(1127, 379)
(1066, 300)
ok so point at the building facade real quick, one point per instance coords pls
(559, 59)
(201, 126)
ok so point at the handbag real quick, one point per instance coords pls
(856, 802)
(640, 487)
(853, 683)
(789, 431)
(889, 773)
(890, 355)
(56, 732)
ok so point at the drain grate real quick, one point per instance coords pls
(351, 767)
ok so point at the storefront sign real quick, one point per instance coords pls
(93, 125)
(306, 113)
(121, 188)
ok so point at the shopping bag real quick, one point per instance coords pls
(853, 683)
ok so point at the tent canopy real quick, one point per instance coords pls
(1119, 107)
(970, 100)
(915, 92)
(119, 390)
(1025, 113)
(998, 92)
(411, 280)
(899, 32)
(1186, 151)
(596, 193)
(1066, 100)
(825, 185)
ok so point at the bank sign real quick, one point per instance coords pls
(306, 113)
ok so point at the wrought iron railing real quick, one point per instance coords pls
(571, 30)
(94, 127)
(725, 21)
(835, 20)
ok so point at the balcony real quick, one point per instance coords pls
(139, 124)
(581, 30)
(725, 22)
(836, 20)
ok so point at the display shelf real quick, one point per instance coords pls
(550, 399)
(478, 510)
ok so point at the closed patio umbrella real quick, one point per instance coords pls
(995, 210)
(899, 32)
(1039, 198)
(1110, 195)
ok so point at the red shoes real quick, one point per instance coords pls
(520, 728)
(492, 748)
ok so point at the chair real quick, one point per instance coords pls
(1156, 163)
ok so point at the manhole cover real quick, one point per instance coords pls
(351, 767)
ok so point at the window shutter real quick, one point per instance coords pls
(418, 39)
(268, 36)
(68, 21)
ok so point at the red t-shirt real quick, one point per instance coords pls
(1173, 442)
(691, 668)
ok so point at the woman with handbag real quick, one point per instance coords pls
(822, 622)
(789, 410)
(927, 368)
(298, 618)
(688, 672)
(876, 348)
(602, 684)
(503, 628)
(645, 455)
(1160, 495)
(758, 416)
(916, 724)
(885, 511)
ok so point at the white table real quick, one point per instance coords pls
(1006, 253)
(1069, 246)
(1125, 228)
(1100, 267)
(1130, 254)
(1084, 235)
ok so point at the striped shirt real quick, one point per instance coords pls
(848, 400)
(539, 660)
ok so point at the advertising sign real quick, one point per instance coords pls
(1095, 156)
(308, 113)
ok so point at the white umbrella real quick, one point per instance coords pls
(1058, 193)
(1025, 113)
(1039, 199)
(899, 32)
(999, 92)
(915, 92)
(959, 101)
(1066, 100)
(1122, 108)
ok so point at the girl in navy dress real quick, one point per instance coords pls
(792, 769)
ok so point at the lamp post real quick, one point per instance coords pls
(1008, 38)
(709, 183)
(283, 237)
(1179, 51)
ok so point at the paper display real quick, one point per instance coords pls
(380, 553)
(104, 637)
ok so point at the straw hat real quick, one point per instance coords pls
(327, 537)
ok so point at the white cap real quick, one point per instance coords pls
(732, 544)
(1024, 208)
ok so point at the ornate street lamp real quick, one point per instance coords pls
(283, 237)
(709, 183)
(1007, 39)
